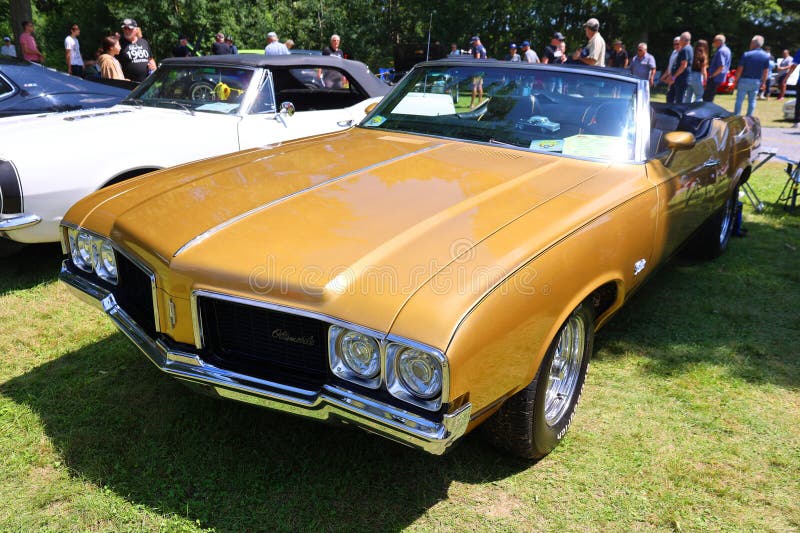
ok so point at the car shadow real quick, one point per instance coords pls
(738, 312)
(30, 266)
(119, 423)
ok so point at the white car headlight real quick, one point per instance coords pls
(104, 260)
(355, 356)
(415, 375)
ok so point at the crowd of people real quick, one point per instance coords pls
(129, 56)
(693, 72)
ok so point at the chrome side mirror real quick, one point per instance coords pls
(287, 108)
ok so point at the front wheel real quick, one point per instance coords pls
(533, 421)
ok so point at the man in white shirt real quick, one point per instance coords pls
(72, 49)
(274, 46)
(8, 49)
(594, 53)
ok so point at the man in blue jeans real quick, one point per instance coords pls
(679, 74)
(751, 75)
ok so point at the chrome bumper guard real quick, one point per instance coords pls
(332, 402)
(18, 221)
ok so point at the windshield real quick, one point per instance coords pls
(544, 110)
(195, 88)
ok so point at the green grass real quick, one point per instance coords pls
(689, 421)
(770, 112)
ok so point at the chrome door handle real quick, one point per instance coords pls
(711, 163)
(345, 123)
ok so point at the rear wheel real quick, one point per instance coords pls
(532, 422)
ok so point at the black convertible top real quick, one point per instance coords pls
(355, 70)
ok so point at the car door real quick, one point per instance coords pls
(686, 181)
(322, 98)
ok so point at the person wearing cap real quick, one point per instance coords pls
(512, 54)
(718, 69)
(27, 44)
(8, 49)
(643, 65)
(528, 55)
(136, 56)
(72, 49)
(594, 53)
(220, 47)
(334, 49)
(552, 52)
(477, 51)
(619, 56)
(679, 73)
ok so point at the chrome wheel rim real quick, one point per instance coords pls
(562, 379)
(727, 221)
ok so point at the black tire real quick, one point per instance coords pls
(524, 426)
(9, 247)
(713, 237)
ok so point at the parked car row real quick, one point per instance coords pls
(421, 266)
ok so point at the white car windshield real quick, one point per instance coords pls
(547, 110)
(194, 88)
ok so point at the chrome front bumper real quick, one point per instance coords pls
(18, 221)
(331, 402)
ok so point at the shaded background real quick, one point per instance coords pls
(372, 30)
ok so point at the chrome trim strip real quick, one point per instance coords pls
(330, 403)
(18, 221)
(211, 231)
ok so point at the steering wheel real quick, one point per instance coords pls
(202, 91)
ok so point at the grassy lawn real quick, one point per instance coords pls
(689, 421)
(770, 112)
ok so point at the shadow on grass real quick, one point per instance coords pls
(31, 266)
(120, 423)
(739, 312)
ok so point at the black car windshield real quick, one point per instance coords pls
(548, 110)
(194, 88)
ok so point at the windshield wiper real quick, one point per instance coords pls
(182, 106)
(495, 141)
(135, 101)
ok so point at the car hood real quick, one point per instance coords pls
(141, 133)
(324, 222)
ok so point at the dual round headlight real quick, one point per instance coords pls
(360, 353)
(355, 356)
(420, 373)
(409, 373)
(91, 253)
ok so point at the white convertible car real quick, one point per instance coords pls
(189, 109)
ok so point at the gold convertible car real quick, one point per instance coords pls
(444, 264)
